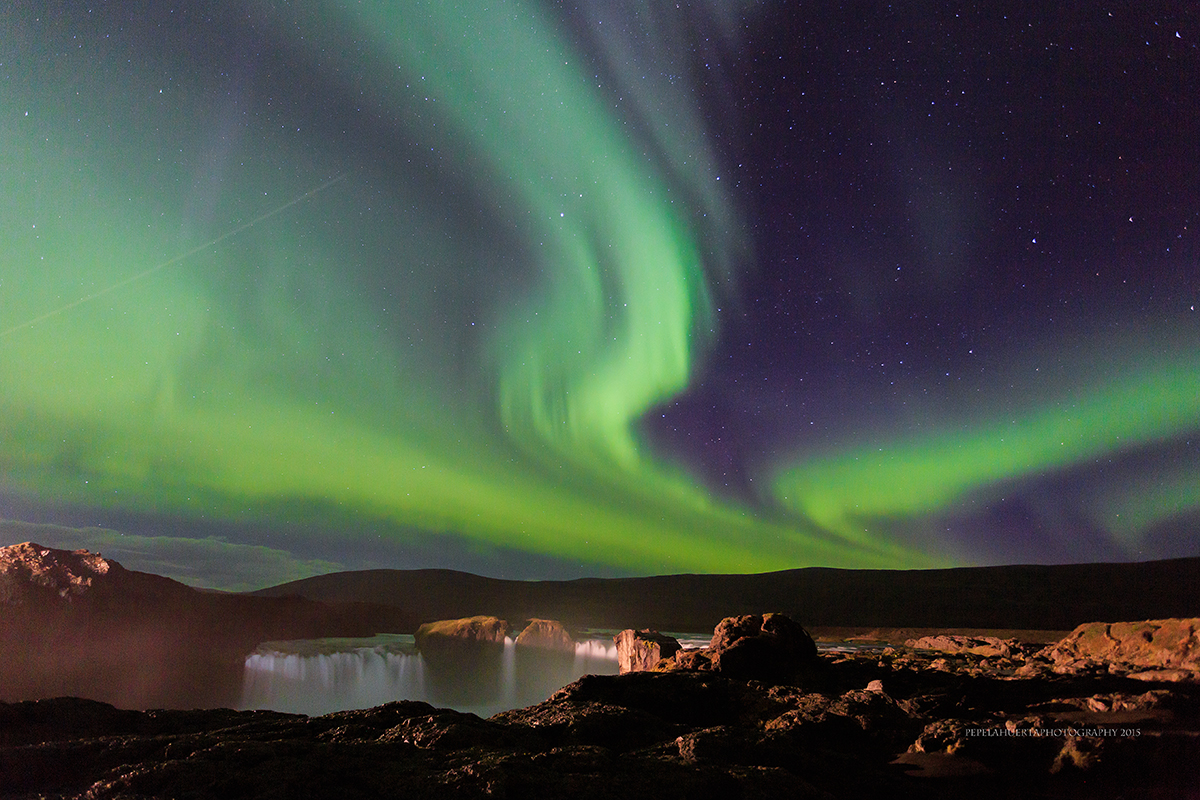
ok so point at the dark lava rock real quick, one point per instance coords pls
(761, 647)
(766, 647)
(872, 725)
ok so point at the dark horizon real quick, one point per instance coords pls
(340, 585)
(830, 601)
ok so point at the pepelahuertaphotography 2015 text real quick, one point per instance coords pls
(1079, 733)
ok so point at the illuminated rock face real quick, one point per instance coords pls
(975, 645)
(638, 651)
(474, 661)
(33, 574)
(469, 659)
(66, 573)
(1158, 644)
(547, 634)
(479, 629)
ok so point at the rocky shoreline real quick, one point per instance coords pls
(1110, 711)
(1105, 711)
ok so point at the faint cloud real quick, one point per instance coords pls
(209, 563)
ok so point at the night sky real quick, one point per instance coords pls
(547, 290)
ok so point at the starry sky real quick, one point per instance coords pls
(546, 290)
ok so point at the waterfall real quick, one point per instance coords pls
(508, 674)
(321, 676)
(594, 657)
(319, 683)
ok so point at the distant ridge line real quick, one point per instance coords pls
(1028, 596)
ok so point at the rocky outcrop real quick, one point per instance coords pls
(638, 651)
(1165, 651)
(473, 630)
(547, 634)
(767, 647)
(29, 568)
(1154, 649)
(864, 725)
(37, 579)
(543, 661)
(465, 659)
(986, 646)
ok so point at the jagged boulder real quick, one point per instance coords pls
(547, 634)
(766, 647)
(639, 651)
(688, 661)
(770, 647)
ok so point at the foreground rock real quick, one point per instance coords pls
(638, 651)
(768, 647)
(885, 723)
(1154, 649)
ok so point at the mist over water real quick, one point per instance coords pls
(323, 676)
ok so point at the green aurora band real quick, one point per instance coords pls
(392, 347)
(911, 479)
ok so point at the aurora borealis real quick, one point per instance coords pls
(615, 288)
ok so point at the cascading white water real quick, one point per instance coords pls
(508, 674)
(317, 683)
(322, 676)
(595, 657)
